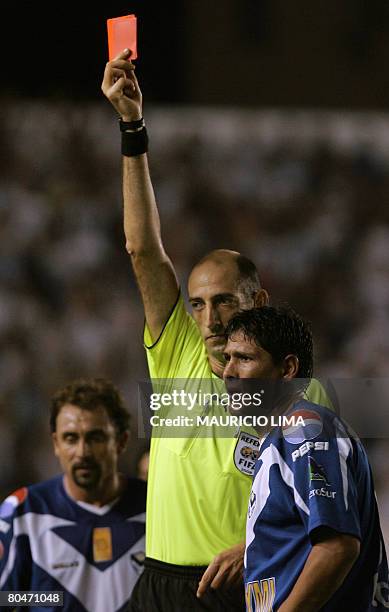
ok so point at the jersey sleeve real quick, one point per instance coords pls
(15, 555)
(166, 356)
(325, 477)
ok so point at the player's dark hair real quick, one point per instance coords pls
(278, 330)
(90, 394)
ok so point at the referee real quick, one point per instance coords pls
(198, 487)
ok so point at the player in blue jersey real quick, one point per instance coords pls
(81, 532)
(313, 537)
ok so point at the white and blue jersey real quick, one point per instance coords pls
(49, 542)
(312, 473)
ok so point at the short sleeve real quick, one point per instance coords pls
(326, 478)
(179, 348)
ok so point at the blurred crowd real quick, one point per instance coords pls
(304, 194)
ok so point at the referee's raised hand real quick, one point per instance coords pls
(121, 87)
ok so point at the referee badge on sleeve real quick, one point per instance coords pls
(102, 544)
(246, 453)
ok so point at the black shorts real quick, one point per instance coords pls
(164, 587)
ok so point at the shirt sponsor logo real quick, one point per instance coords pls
(316, 471)
(246, 453)
(298, 433)
(307, 446)
(65, 565)
(10, 504)
(260, 596)
(322, 493)
(317, 474)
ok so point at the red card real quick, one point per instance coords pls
(122, 35)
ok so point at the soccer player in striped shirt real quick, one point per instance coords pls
(313, 537)
(81, 532)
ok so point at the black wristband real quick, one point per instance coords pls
(131, 126)
(135, 143)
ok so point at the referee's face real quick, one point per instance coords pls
(87, 446)
(215, 296)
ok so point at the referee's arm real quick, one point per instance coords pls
(153, 269)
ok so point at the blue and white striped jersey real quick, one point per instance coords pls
(50, 542)
(308, 475)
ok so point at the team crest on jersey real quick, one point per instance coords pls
(313, 426)
(102, 544)
(246, 453)
(14, 500)
(316, 471)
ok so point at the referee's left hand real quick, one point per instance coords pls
(226, 569)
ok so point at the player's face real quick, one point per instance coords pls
(250, 370)
(245, 359)
(87, 446)
(215, 297)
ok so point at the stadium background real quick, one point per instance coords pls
(269, 133)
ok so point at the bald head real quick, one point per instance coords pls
(220, 256)
(221, 284)
(240, 267)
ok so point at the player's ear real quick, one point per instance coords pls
(54, 438)
(261, 298)
(290, 367)
(122, 441)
